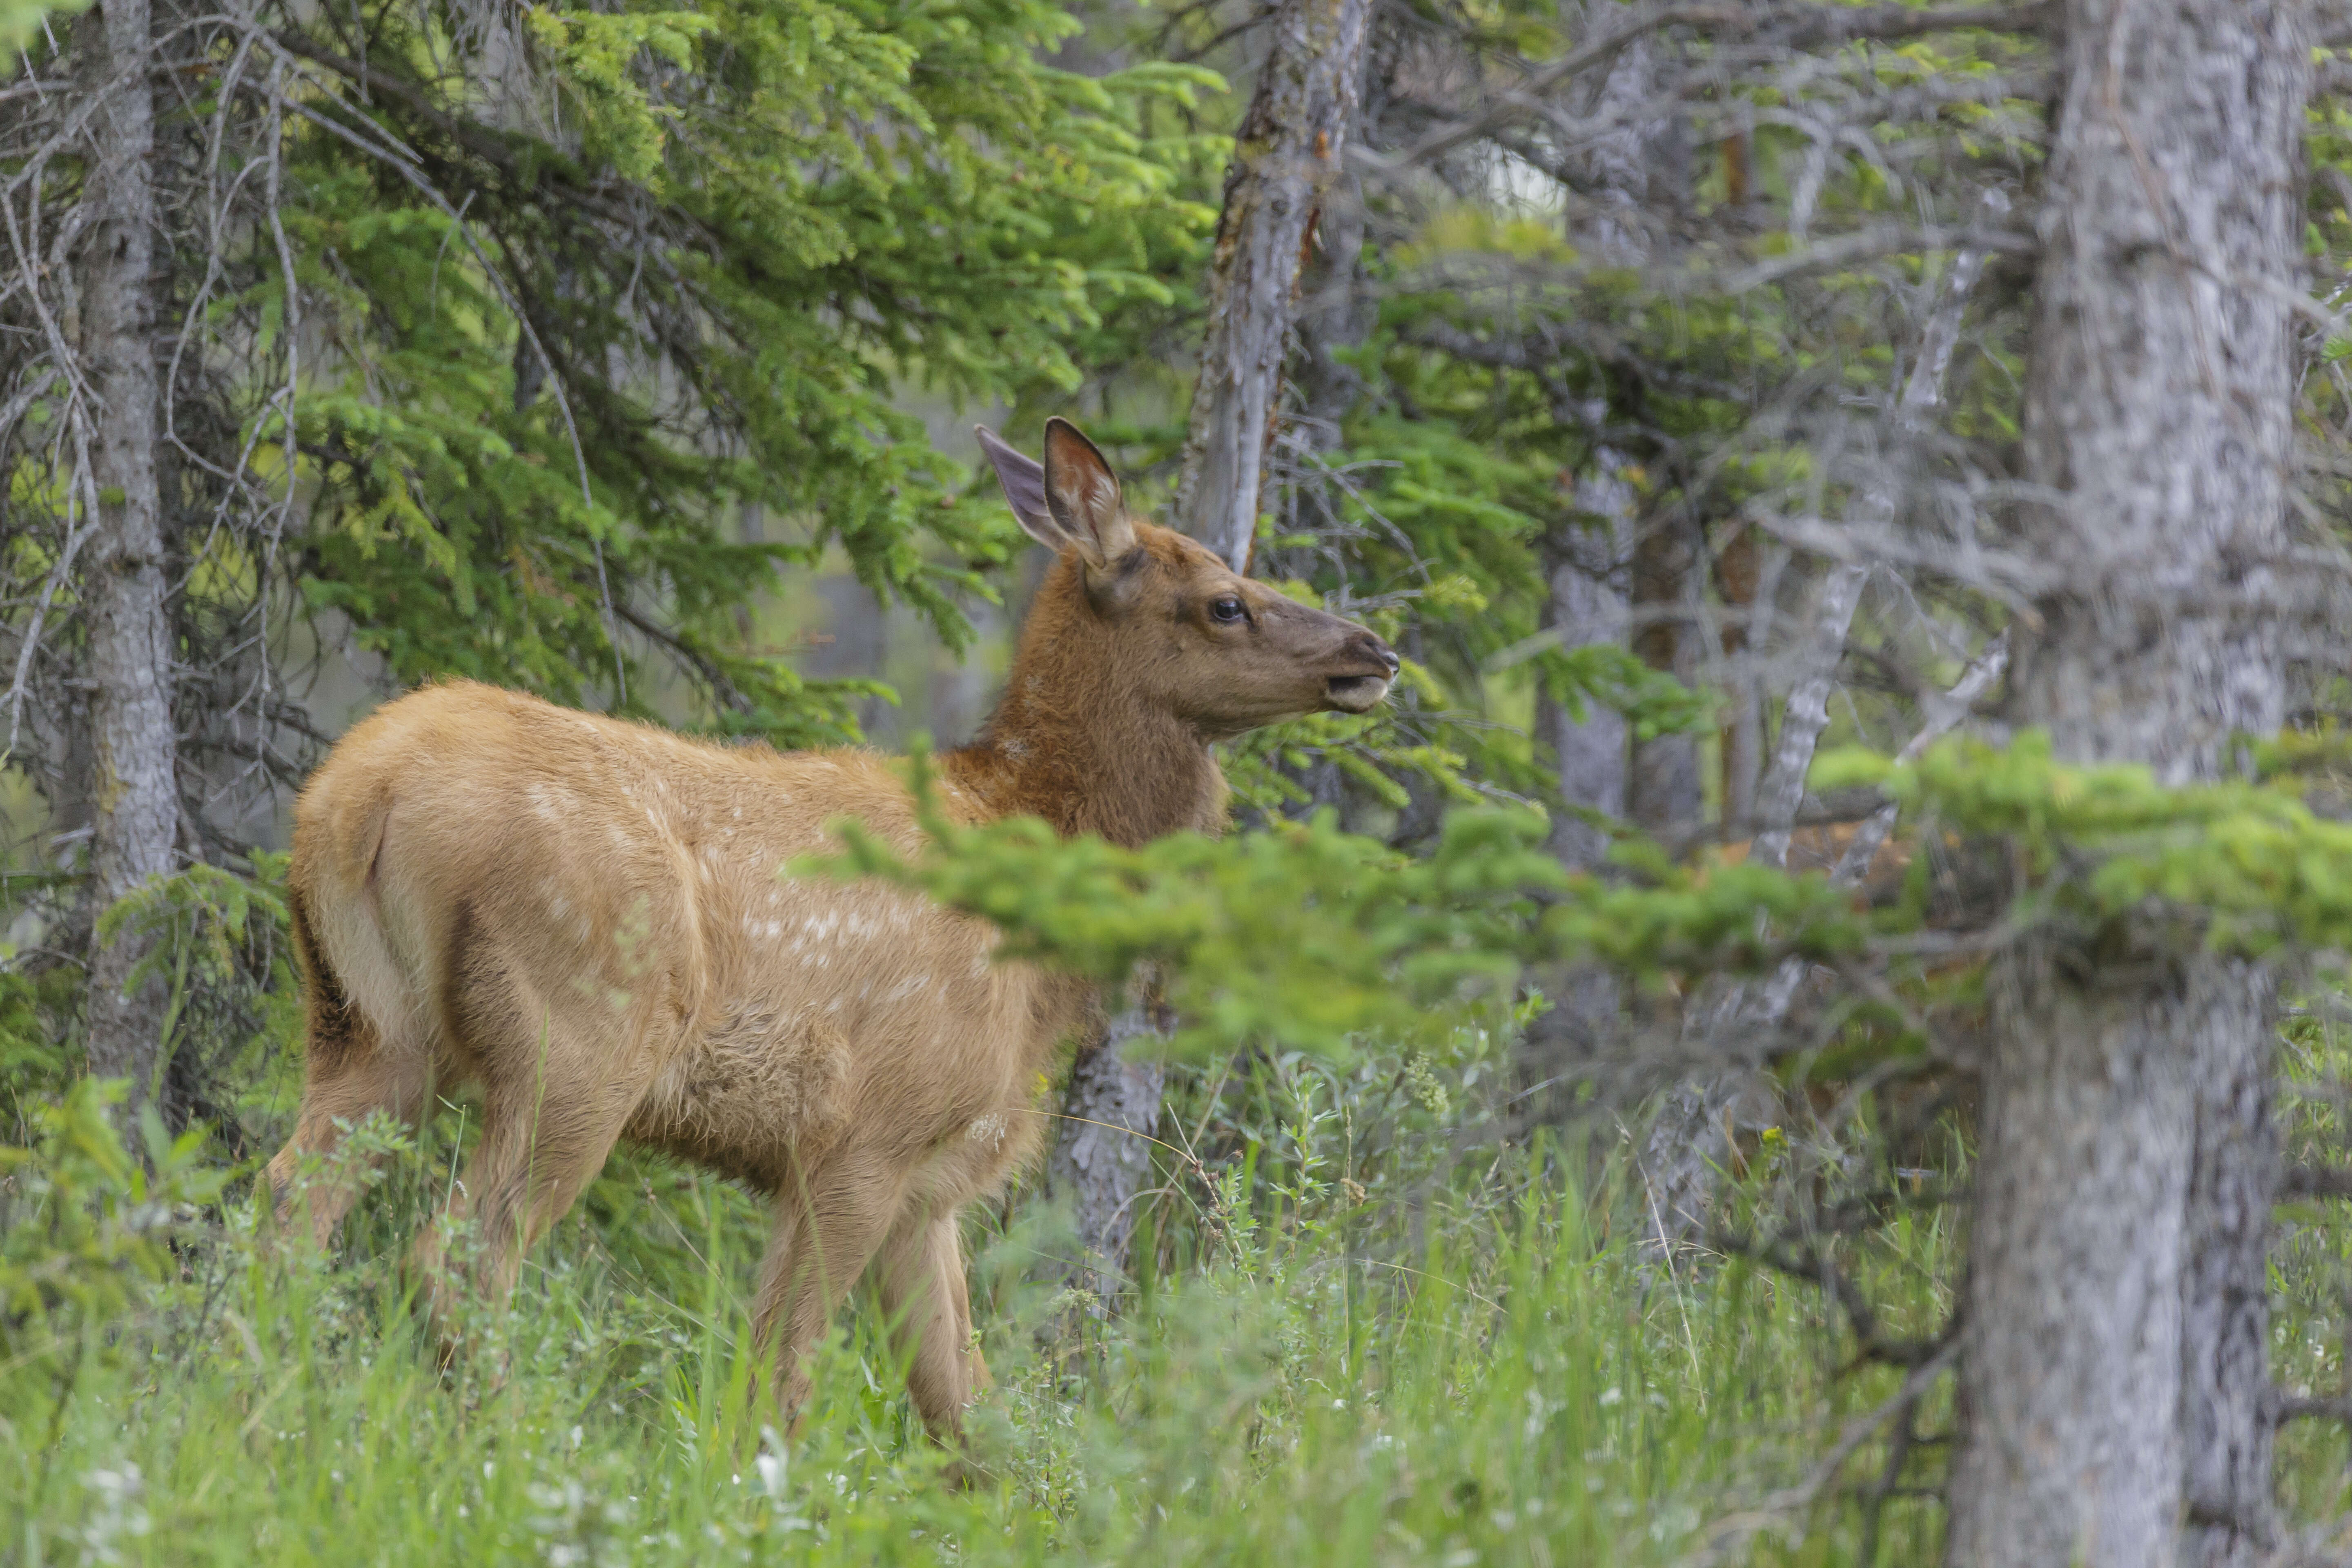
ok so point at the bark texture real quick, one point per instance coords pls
(1103, 1154)
(2114, 1310)
(134, 791)
(2234, 1182)
(1661, 792)
(1286, 156)
(1587, 557)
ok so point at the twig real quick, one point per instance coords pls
(1805, 28)
(1942, 717)
(1867, 245)
(2316, 1182)
(1731, 1535)
(1782, 789)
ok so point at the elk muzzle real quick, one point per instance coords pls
(1359, 690)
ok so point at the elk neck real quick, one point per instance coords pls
(1074, 741)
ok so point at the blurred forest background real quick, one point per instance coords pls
(1807, 1032)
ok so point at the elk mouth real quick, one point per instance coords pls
(1356, 693)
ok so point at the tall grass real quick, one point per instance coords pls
(1358, 1343)
(1369, 1329)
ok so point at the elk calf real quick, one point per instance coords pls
(585, 918)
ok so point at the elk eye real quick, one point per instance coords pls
(1227, 609)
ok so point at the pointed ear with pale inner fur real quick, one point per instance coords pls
(1023, 479)
(1082, 494)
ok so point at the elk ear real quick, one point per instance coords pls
(1082, 495)
(1023, 479)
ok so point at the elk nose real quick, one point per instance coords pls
(1371, 647)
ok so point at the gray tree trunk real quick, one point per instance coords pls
(1587, 606)
(2225, 1308)
(1661, 792)
(1102, 1153)
(2109, 1385)
(1586, 561)
(1285, 155)
(134, 791)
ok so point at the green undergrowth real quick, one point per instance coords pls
(1367, 1330)
(1413, 1347)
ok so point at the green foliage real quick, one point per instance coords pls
(85, 1226)
(1307, 935)
(1613, 677)
(217, 941)
(2251, 859)
(37, 1061)
(562, 381)
(20, 23)
(1380, 1356)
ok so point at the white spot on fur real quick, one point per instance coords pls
(988, 1129)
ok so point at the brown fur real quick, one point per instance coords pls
(585, 918)
(1819, 847)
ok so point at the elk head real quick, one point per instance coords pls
(1193, 637)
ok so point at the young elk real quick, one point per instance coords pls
(585, 918)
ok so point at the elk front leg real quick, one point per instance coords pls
(919, 1277)
(829, 1222)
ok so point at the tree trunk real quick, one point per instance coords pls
(2114, 1308)
(1587, 606)
(1285, 155)
(135, 790)
(1589, 758)
(2225, 1303)
(1586, 560)
(1661, 792)
(1103, 1151)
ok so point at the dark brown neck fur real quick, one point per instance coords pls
(1072, 741)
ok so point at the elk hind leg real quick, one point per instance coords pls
(353, 1069)
(920, 1280)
